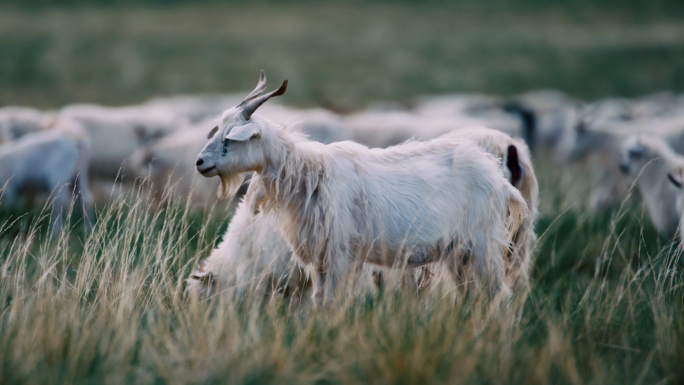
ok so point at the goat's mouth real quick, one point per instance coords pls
(207, 171)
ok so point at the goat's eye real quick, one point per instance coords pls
(635, 154)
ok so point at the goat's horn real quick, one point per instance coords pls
(261, 86)
(251, 105)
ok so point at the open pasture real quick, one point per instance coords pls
(104, 300)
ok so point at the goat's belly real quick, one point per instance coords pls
(411, 253)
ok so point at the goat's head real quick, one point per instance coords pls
(236, 142)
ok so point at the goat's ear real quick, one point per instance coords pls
(203, 276)
(513, 165)
(243, 133)
(677, 178)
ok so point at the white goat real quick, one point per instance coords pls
(516, 164)
(193, 108)
(650, 160)
(47, 162)
(343, 204)
(252, 257)
(253, 254)
(676, 176)
(115, 133)
(263, 249)
(388, 128)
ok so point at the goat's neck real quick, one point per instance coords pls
(292, 173)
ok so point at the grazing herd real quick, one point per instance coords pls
(440, 189)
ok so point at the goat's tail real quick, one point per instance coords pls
(517, 210)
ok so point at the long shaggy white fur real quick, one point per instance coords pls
(514, 157)
(342, 204)
(252, 258)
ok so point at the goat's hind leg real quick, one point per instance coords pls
(490, 268)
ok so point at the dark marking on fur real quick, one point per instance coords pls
(423, 254)
(674, 181)
(203, 277)
(513, 165)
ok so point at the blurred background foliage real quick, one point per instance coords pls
(336, 54)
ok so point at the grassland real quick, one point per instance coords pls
(606, 306)
(606, 303)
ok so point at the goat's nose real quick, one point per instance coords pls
(200, 161)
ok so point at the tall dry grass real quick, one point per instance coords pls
(108, 306)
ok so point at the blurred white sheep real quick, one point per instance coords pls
(16, 122)
(388, 128)
(656, 167)
(116, 133)
(53, 162)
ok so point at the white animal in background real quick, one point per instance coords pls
(480, 109)
(193, 108)
(596, 146)
(16, 122)
(343, 204)
(650, 160)
(388, 128)
(546, 114)
(52, 162)
(676, 176)
(116, 133)
(169, 164)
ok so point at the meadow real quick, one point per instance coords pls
(605, 305)
(107, 304)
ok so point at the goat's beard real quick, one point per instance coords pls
(230, 184)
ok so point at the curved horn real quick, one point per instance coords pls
(260, 88)
(252, 105)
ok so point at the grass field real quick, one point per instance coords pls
(605, 307)
(606, 302)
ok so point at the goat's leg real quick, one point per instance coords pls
(338, 271)
(490, 268)
(82, 191)
(318, 279)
